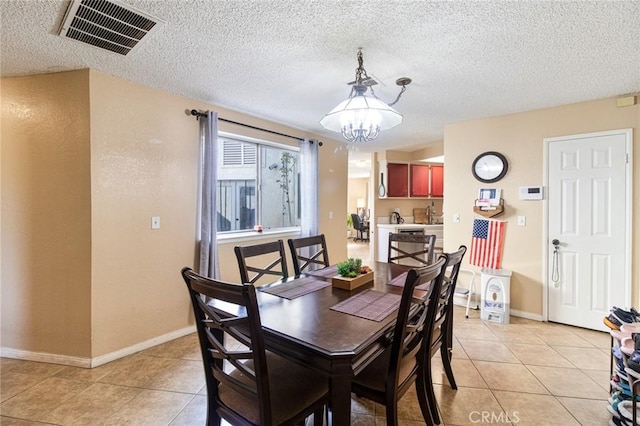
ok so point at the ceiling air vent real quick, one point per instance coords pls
(109, 25)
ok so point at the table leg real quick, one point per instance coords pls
(340, 398)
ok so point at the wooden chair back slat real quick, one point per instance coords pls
(271, 257)
(308, 252)
(398, 252)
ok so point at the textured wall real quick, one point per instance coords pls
(145, 163)
(87, 159)
(46, 214)
(520, 138)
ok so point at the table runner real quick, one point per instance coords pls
(370, 304)
(400, 280)
(296, 288)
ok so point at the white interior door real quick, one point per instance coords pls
(589, 214)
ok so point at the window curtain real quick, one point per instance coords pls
(208, 264)
(309, 187)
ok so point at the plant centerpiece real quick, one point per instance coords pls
(352, 274)
(352, 267)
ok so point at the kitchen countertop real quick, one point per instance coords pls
(409, 226)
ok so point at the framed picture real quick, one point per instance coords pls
(488, 197)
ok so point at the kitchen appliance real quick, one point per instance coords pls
(395, 218)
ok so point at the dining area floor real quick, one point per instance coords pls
(525, 373)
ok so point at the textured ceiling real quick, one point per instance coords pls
(289, 60)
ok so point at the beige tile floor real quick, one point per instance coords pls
(525, 373)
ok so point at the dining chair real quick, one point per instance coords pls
(413, 249)
(393, 372)
(440, 336)
(307, 252)
(360, 227)
(246, 384)
(269, 256)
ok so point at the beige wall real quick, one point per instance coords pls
(144, 157)
(87, 159)
(46, 214)
(434, 149)
(520, 138)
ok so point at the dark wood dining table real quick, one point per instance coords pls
(305, 330)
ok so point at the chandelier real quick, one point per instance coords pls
(360, 118)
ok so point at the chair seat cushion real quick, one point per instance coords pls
(374, 376)
(292, 387)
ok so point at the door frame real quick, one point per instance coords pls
(628, 134)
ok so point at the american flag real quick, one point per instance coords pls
(486, 243)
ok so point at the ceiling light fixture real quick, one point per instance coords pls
(360, 118)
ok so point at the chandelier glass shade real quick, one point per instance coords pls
(360, 118)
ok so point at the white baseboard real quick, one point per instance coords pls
(74, 361)
(461, 300)
(526, 315)
(99, 360)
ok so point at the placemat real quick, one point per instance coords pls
(400, 280)
(370, 304)
(296, 288)
(329, 271)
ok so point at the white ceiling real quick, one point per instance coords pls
(289, 60)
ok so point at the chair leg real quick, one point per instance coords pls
(392, 414)
(445, 354)
(318, 417)
(431, 395)
(421, 391)
(446, 348)
(214, 420)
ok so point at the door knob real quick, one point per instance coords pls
(555, 271)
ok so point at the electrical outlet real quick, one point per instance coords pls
(155, 222)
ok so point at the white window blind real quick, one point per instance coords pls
(236, 153)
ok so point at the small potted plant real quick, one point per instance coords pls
(352, 274)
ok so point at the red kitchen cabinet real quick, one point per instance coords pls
(419, 180)
(398, 180)
(437, 181)
(405, 180)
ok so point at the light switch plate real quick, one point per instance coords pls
(522, 221)
(155, 222)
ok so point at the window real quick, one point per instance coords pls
(258, 184)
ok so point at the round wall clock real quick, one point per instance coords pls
(489, 167)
